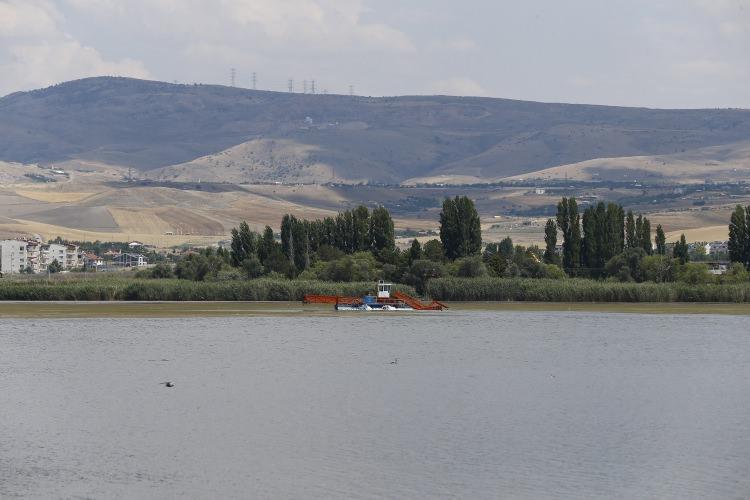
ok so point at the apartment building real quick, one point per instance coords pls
(17, 256)
(54, 252)
(13, 256)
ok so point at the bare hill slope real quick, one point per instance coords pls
(184, 132)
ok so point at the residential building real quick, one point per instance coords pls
(717, 248)
(130, 260)
(54, 252)
(13, 256)
(34, 256)
(73, 257)
(92, 261)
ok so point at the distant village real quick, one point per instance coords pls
(32, 256)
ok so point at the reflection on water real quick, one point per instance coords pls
(480, 405)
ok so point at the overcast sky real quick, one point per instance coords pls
(658, 53)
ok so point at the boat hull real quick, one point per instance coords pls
(372, 307)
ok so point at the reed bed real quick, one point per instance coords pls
(179, 290)
(580, 290)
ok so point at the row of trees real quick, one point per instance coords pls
(591, 240)
(302, 240)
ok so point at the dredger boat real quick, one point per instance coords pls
(384, 300)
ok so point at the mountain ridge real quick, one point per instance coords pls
(180, 132)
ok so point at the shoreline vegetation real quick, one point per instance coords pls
(607, 255)
(450, 289)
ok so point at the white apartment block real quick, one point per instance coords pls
(13, 256)
(16, 256)
(53, 252)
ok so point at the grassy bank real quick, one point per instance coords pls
(580, 290)
(177, 290)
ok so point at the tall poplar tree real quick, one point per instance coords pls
(681, 250)
(550, 242)
(661, 241)
(382, 235)
(569, 223)
(630, 238)
(739, 235)
(460, 229)
(645, 238)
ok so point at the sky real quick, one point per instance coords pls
(655, 53)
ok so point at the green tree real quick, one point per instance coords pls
(244, 244)
(266, 245)
(694, 273)
(433, 250)
(738, 236)
(569, 223)
(470, 267)
(460, 228)
(54, 267)
(421, 271)
(615, 239)
(506, 248)
(630, 234)
(382, 235)
(361, 229)
(661, 241)
(589, 246)
(680, 250)
(658, 268)
(627, 265)
(550, 242)
(415, 251)
(645, 238)
(252, 267)
(295, 242)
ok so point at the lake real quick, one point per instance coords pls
(480, 404)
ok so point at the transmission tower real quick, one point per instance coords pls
(351, 90)
(255, 81)
(304, 86)
(232, 76)
(290, 84)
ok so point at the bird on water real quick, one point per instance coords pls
(167, 384)
(394, 362)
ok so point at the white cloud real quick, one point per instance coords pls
(305, 25)
(457, 86)
(26, 19)
(36, 52)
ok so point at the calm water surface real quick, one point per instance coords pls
(479, 405)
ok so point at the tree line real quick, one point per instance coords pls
(592, 239)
